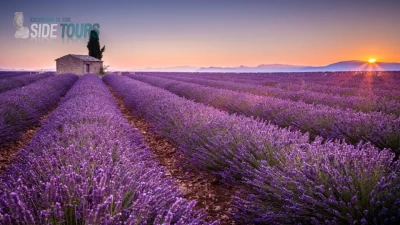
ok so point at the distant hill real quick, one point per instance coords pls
(352, 65)
(355, 65)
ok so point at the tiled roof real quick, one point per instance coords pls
(85, 58)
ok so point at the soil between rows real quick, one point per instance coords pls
(8, 151)
(210, 194)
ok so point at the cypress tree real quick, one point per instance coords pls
(94, 45)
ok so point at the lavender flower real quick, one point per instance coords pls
(380, 129)
(283, 177)
(87, 165)
(17, 80)
(22, 108)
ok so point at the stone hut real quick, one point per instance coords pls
(78, 64)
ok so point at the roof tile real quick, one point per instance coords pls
(85, 58)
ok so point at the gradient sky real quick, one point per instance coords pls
(149, 33)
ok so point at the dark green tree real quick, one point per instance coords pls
(94, 45)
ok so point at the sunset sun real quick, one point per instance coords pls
(372, 60)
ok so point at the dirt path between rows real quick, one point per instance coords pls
(209, 193)
(8, 151)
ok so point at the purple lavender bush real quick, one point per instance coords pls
(9, 74)
(357, 103)
(22, 108)
(380, 129)
(87, 165)
(330, 183)
(211, 140)
(283, 179)
(20, 81)
(383, 84)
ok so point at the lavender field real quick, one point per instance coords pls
(285, 148)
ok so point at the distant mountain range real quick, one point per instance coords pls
(353, 65)
(356, 66)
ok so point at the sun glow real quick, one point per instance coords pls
(372, 60)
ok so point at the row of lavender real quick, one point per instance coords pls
(383, 80)
(20, 81)
(364, 87)
(69, 174)
(363, 104)
(22, 108)
(283, 178)
(380, 129)
(8, 74)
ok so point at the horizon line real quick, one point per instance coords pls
(210, 66)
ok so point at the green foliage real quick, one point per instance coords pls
(103, 70)
(103, 49)
(94, 45)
